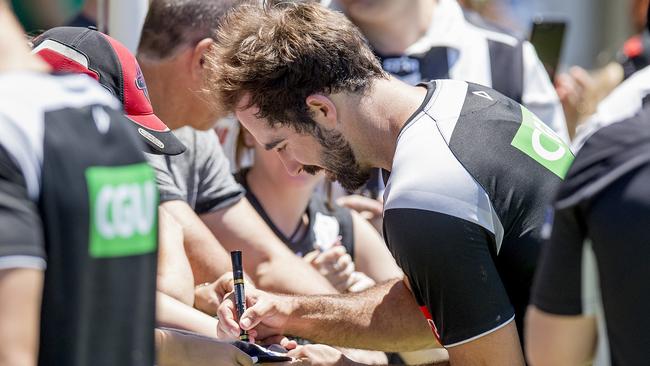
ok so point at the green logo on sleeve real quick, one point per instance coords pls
(538, 141)
(123, 210)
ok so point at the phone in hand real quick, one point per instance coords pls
(547, 36)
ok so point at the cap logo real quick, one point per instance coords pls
(151, 138)
(139, 82)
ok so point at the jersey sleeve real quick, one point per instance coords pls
(167, 188)
(21, 233)
(557, 285)
(450, 265)
(217, 188)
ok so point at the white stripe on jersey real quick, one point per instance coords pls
(24, 98)
(22, 261)
(425, 173)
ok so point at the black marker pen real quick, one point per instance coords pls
(240, 297)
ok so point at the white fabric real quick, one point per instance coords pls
(449, 28)
(24, 97)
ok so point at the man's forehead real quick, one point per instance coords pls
(261, 130)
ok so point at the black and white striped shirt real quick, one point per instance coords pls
(464, 204)
(77, 196)
(462, 46)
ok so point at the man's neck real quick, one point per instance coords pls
(166, 96)
(382, 113)
(392, 36)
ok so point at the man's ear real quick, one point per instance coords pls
(198, 58)
(323, 110)
(249, 140)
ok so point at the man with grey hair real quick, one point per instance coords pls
(196, 188)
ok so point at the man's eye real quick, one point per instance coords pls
(280, 149)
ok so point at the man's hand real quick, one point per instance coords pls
(336, 265)
(266, 312)
(208, 296)
(371, 209)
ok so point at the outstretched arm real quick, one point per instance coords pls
(267, 260)
(385, 317)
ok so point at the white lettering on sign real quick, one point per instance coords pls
(542, 129)
(126, 209)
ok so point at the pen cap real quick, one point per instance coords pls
(235, 257)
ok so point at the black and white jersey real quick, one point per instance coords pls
(622, 103)
(596, 261)
(78, 200)
(462, 46)
(464, 204)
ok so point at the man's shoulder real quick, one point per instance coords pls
(607, 155)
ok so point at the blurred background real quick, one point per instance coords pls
(596, 28)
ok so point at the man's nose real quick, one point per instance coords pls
(292, 165)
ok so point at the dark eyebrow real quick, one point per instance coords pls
(271, 145)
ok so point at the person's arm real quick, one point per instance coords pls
(22, 264)
(560, 326)
(385, 317)
(559, 340)
(174, 314)
(371, 256)
(20, 304)
(208, 258)
(322, 355)
(177, 348)
(174, 271)
(267, 260)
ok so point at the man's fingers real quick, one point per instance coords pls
(288, 344)
(344, 261)
(255, 314)
(330, 256)
(311, 256)
(226, 313)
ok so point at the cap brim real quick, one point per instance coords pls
(160, 140)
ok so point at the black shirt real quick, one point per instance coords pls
(326, 222)
(464, 204)
(77, 198)
(596, 261)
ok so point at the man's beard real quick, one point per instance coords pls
(338, 160)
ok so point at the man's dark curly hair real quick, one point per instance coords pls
(280, 53)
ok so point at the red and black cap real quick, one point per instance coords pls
(87, 51)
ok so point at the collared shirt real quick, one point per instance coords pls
(463, 46)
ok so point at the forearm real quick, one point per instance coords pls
(174, 314)
(207, 257)
(20, 301)
(385, 317)
(271, 265)
(175, 276)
